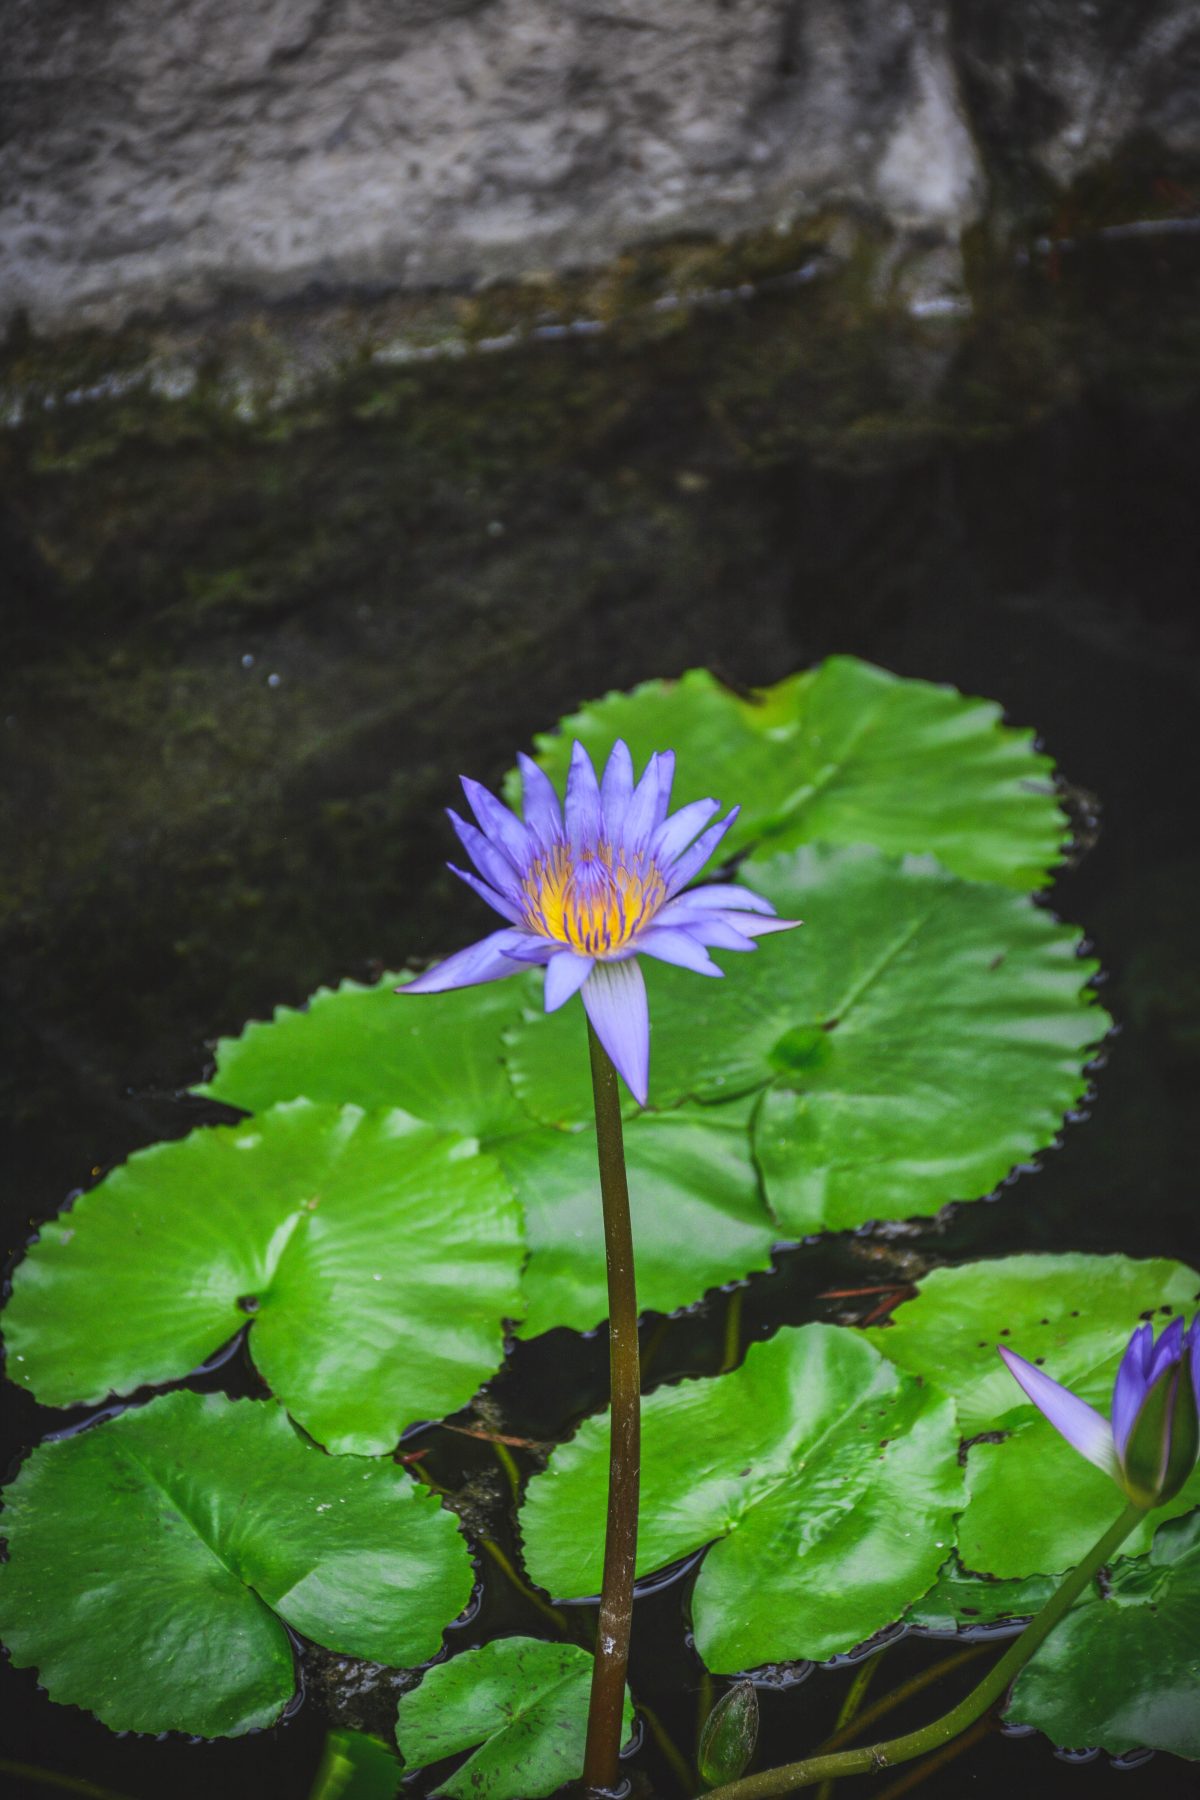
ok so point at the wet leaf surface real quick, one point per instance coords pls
(845, 753)
(916, 1039)
(828, 1481)
(374, 1258)
(1035, 1505)
(518, 1704)
(1123, 1670)
(155, 1559)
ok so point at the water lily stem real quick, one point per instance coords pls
(605, 1709)
(875, 1757)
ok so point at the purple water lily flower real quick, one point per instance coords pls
(589, 887)
(1151, 1446)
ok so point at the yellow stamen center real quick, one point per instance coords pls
(595, 902)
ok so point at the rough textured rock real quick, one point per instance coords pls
(1056, 88)
(155, 157)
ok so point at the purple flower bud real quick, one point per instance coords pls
(1153, 1442)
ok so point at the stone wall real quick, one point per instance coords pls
(157, 157)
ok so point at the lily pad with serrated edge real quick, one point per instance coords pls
(437, 1056)
(845, 753)
(699, 1217)
(829, 1481)
(375, 1258)
(153, 1561)
(697, 1213)
(518, 1704)
(916, 1039)
(1035, 1506)
(1122, 1670)
(960, 1601)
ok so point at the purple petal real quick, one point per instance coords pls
(497, 902)
(583, 800)
(756, 927)
(672, 838)
(616, 789)
(1167, 1350)
(1084, 1428)
(565, 975)
(721, 896)
(534, 948)
(641, 813)
(485, 961)
(492, 864)
(503, 827)
(720, 932)
(725, 930)
(615, 997)
(693, 860)
(1129, 1389)
(680, 948)
(666, 776)
(539, 802)
(1141, 1350)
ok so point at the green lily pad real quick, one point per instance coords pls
(698, 1216)
(523, 1702)
(845, 754)
(438, 1057)
(154, 1559)
(1035, 1505)
(919, 1037)
(355, 1766)
(698, 1210)
(375, 1258)
(958, 1600)
(1123, 1671)
(828, 1479)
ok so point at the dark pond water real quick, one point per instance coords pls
(246, 661)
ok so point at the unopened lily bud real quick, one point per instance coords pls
(1153, 1442)
(730, 1734)
(1158, 1447)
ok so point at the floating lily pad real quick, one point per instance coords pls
(1036, 1506)
(698, 1210)
(829, 1480)
(916, 1039)
(1123, 1671)
(374, 1258)
(959, 1601)
(355, 1766)
(437, 1057)
(698, 1216)
(154, 1559)
(522, 1702)
(844, 754)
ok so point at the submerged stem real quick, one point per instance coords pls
(71, 1784)
(811, 1769)
(850, 1708)
(624, 1462)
